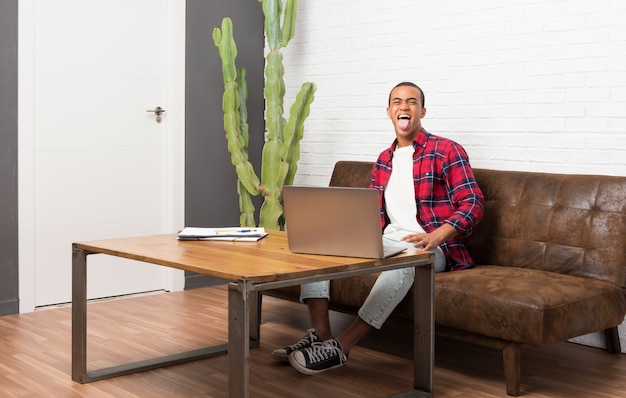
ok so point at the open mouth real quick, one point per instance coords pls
(403, 121)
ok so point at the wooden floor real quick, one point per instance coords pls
(35, 356)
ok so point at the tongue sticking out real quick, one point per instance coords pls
(403, 123)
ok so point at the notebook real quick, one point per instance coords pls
(334, 221)
(239, 234)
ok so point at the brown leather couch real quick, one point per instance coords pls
(551, 255)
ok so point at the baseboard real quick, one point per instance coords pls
(9, 307)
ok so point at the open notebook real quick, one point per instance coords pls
(334, 221)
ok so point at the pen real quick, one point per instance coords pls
(244, 230)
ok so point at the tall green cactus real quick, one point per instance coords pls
(281, 150)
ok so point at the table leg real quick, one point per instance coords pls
(79, 335)
(79, 314)
(423, 335)
(238, 339)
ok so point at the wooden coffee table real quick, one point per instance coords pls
(250, 267)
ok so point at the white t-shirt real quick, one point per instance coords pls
(400, 196)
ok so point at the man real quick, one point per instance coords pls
(428, 199)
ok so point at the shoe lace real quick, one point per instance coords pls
(309, 338)
(325, 350)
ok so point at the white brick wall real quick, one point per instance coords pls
(536, 85)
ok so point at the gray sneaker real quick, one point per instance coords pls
(282, 354)
(318, 358)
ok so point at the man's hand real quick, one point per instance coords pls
(430, 241)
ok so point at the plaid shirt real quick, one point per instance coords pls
(445, 191)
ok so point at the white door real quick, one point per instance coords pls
(94, 164)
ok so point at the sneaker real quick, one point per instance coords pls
(282, 354)
(319, 357)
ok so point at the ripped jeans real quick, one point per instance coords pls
(387, 292)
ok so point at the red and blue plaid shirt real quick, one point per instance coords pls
(445, 191)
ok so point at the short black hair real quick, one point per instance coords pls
(409, 84)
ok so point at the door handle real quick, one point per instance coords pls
(157, 111)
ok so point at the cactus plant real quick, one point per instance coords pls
(281, 150)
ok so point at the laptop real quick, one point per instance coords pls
(337, 221)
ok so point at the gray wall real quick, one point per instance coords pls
(9, 303)
(211, 183)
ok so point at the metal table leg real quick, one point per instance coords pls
(79, 314)
(238, 339)
(423, 334)
(79, 335)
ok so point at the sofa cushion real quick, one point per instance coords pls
(526, 306)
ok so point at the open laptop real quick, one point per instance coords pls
(335, 221)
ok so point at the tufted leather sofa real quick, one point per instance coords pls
(551, 255)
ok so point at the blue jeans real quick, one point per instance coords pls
(387, 292)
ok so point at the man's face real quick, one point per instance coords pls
(405, 111)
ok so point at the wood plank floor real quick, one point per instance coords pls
(35, 356)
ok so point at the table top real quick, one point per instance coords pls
(267, 260)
